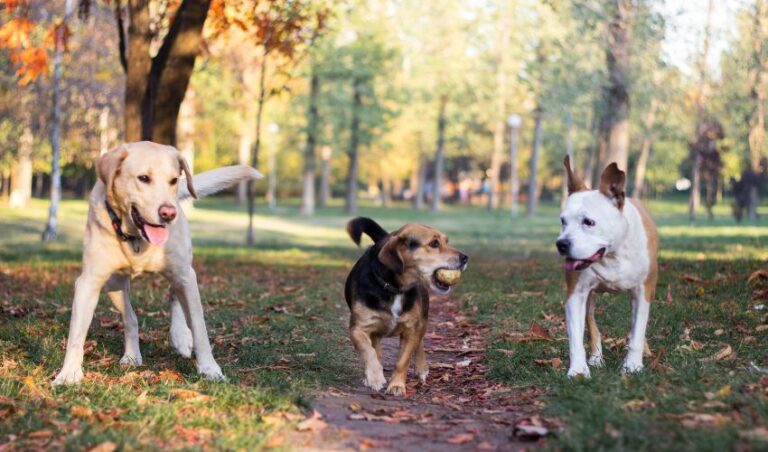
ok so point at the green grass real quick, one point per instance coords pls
(278, 317)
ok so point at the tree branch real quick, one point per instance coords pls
(121, 35)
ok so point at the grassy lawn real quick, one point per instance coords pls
(277, 316)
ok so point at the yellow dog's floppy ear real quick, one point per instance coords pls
(612, 184)
(188, 175)
(108, 167)
(391, 256)
(574, 182)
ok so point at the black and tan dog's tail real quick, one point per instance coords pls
(357, 226)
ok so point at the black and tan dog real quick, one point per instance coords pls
(388, 294)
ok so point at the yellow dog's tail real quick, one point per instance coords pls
(218, 179)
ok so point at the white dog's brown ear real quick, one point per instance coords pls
(574, 182)
(612, 184)
(391, 254)
(188, 175)
(108, 167)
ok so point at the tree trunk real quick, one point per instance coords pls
(570, 130)
(618, 64)
(645, 151)
(501, 113)
(325, 178)
(272, 178)
(155, 86)
(250, 239)
(51, 227)
(21, 171)
(354, 138)
(514, 173)
(758, 96)
(533, 199)
(421, 185)
(308, 180)
(695, 197)
(244, 158)
(437, 186)
(187, 136)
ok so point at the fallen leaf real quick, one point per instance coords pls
(354, 406)
(700, 420)
(724, 391)
(188, 394)
(461, 438)
(761, 328)
(536, 332)
(106, 446)
(721, 354)
(80, 411)
(167, 376)
(40, 434)
(639, 405)
(485, 445)
(692, 278)
(554, 362)
(507, 353)
(756, 434)
(758, 274)
(314, 423)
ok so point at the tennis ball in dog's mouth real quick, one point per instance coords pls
(448, 276)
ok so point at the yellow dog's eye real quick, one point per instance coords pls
(144, 178)
(174, 180)
(434, 244)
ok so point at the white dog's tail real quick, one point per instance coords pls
(218, 179)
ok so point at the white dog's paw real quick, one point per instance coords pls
(632, 366)
(131, 360)
(423, 375)
(374, 379)
(69, 377)
(181, 339)
(579, 371)
(596, 361)
(211, 372)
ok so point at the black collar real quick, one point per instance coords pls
(389, 287)
(117, 224)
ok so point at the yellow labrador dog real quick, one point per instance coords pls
(135, 225)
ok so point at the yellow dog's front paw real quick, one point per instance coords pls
(396, 389)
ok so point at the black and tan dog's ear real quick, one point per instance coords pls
(391, 254)
(184, 168)
(108, 167)
(574, 182)
(612, 184)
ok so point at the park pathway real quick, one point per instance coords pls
(458, 408)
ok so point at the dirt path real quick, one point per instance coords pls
(456, 409)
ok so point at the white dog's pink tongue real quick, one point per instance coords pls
(157, 235)
(570, 264)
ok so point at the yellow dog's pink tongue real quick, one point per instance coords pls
(157, 235)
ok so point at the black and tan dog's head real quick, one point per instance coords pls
(415, 253)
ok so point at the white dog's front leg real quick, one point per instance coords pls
(575, 315)
(118, 291)
(87, 289)
(185, 287)
(636, 343)
(180, 334)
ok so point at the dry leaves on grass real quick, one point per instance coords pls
(189, 395)
(758, 274)
(535, 333)
(639, 405)
(555, 363)
(703, 420)
(106, 446)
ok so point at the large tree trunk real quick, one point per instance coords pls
(353, 151)
(308, 179)
(533, 192)
(618, 64)
(645, 151)
(51, 227)
(325, 178)
(21, 171)
(758, 96)
(437, 186)
(155, 87)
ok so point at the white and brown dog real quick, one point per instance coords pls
(134, 226)
(610, 245)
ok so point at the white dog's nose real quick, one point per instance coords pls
(563, 246)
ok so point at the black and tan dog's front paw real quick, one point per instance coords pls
(396, 388)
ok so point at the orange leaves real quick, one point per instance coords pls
(32, 62)
(16, 33)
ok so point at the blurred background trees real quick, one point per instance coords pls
(394, 101)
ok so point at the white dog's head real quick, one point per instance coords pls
(592, 220)
(141, 181)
